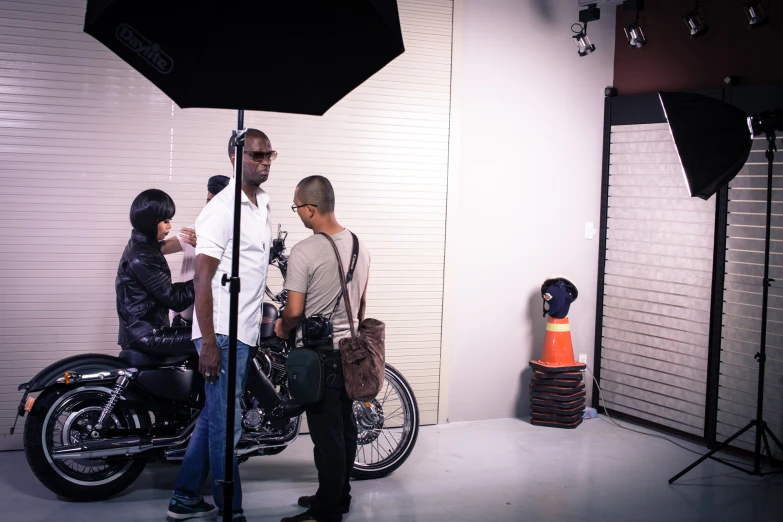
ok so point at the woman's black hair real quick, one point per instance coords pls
(150, 208)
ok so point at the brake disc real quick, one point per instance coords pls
(369, 420)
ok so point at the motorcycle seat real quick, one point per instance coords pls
(135, 358)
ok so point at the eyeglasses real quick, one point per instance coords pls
(295, 207)
(259, 156)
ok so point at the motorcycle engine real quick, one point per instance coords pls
(270, 361)
(272, 358)
(253, 419)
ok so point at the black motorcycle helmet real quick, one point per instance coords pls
(558, 292)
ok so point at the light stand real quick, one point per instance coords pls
(233, 282)
(762, 430)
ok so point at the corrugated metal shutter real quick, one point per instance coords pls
(742, 303)
(656, 314)
(82, 134)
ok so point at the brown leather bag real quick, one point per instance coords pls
(363, 354)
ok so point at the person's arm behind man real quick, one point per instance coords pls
(174, 244)
(171, 246)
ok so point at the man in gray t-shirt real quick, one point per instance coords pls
(312, 270)
(313, 285)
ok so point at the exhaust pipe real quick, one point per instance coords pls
(101, 449)
(175, 454)
(268, 442)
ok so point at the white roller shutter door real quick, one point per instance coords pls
(658, 277)
(81, 134)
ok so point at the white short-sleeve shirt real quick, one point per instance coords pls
(214, 228)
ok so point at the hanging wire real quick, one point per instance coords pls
(702, 6)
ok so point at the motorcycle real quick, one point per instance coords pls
(98, 420)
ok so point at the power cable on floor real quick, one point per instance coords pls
(657, 436)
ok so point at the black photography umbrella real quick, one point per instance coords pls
(276, 55)
(298, 56)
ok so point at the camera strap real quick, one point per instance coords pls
(345, 278)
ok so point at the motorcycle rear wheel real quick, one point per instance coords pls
(59, 417)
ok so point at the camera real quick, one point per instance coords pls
(317, 330)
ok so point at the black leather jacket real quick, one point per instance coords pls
(145, 293)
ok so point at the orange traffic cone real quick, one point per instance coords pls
(557, 393)
(558, 354)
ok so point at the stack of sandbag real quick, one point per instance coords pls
(557, 398)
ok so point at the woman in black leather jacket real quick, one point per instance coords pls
(145, 293)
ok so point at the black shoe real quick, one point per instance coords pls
(237, 517)
(306, 502)
(178, 510)
(301, 517)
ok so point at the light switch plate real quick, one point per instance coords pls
(589, 231)
(583, 358)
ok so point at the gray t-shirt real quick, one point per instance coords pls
(312, 270)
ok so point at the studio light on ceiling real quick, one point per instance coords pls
(755, 14)
(583, 44)
(633, 32)
(635, 36)
(693, 20)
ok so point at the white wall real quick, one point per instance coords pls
(525, 176)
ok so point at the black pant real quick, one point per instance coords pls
(167, 341)
(333, 431)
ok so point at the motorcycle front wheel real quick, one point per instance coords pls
(388, 427)
(62, 417)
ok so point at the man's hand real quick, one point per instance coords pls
(188, 235)
(279, 329)
(209, 360)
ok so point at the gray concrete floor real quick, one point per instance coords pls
(476, 471)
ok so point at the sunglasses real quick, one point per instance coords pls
(259, 156)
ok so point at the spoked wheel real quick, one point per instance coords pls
(61, 418)
(388, 428)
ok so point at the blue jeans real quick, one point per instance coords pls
(206, 449)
